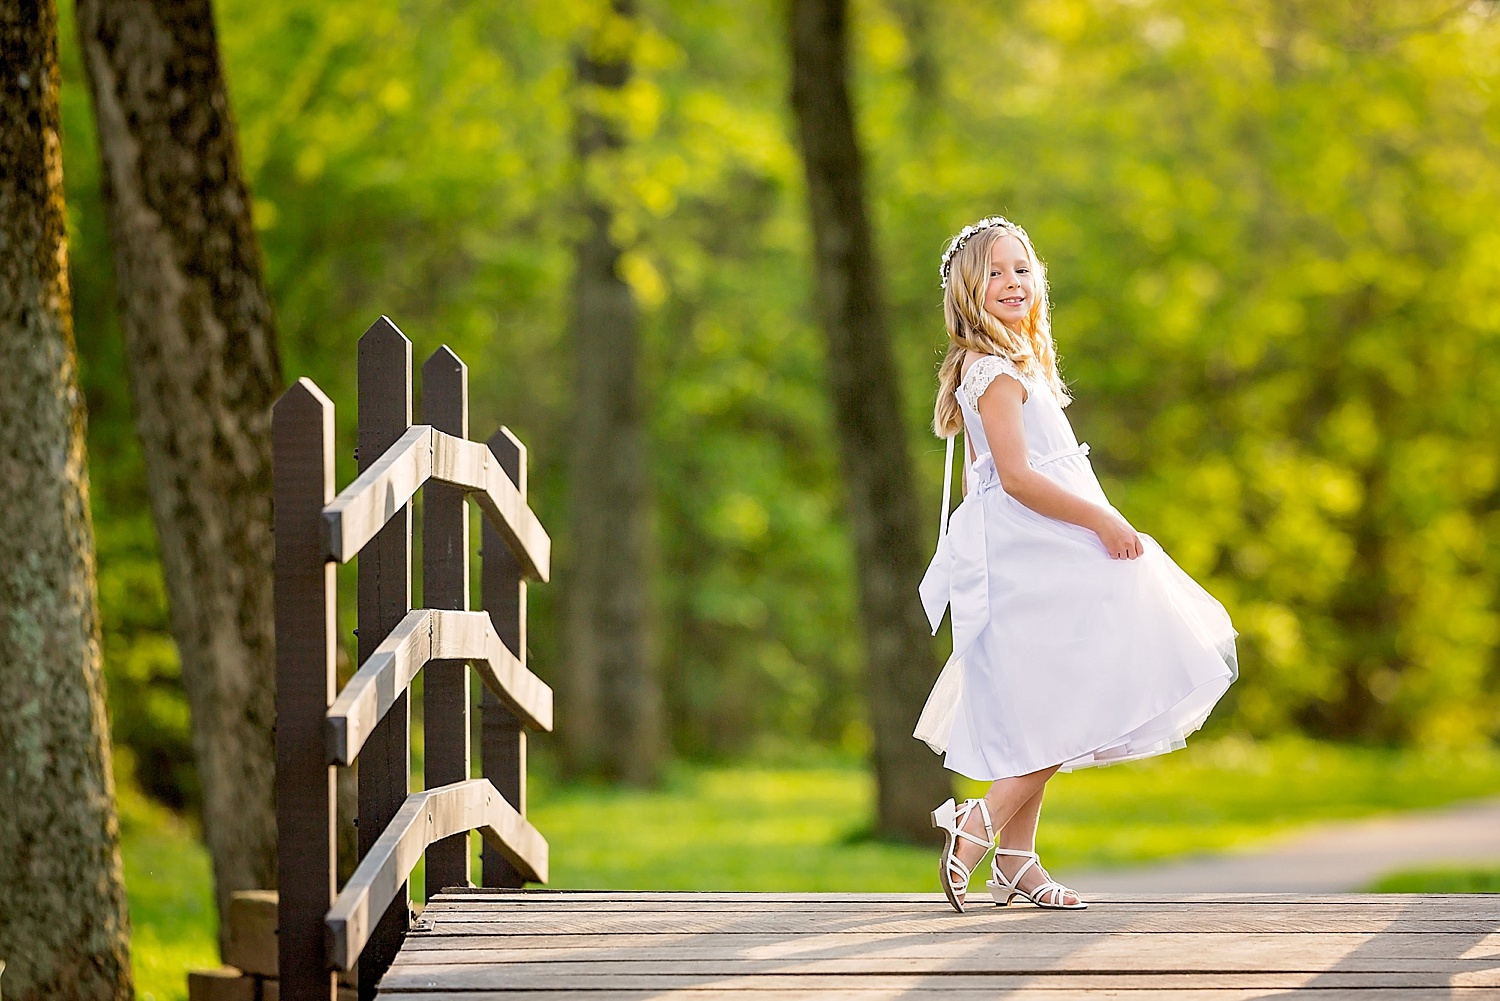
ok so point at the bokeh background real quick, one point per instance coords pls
(1270, 232)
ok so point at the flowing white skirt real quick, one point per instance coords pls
(1085, 660)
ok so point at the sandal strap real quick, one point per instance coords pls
(958, 874)
(1055, 890)
(1014, 882)
(1018, 853)
(962, 818)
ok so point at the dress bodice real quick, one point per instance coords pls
(1048, 432)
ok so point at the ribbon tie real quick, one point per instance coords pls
(958, 576)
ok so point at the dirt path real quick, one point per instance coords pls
(1331, 858)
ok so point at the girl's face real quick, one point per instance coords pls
(1008, 293)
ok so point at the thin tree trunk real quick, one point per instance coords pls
(867, 413)
(203, 370)
(610, 712)
(64, 931)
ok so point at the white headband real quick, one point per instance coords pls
(988, 222)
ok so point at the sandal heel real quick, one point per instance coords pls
(1048, 895)
(950, 818)
(1001, 898)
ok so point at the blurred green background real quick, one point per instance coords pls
(1271, 237)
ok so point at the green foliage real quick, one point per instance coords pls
(1276, 301)
(1276, 279)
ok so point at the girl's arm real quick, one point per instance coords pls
(1000, 410)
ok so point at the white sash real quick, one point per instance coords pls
(935, 725)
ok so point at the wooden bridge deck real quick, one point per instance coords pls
(493, 944)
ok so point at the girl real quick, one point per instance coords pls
(1076, 640)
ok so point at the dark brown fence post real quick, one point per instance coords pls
(445, 584)
(384, 598)
(503, 595)
(302, 459)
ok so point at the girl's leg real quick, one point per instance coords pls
(1020, 833)
(1005, 798)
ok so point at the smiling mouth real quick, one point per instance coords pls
(1014, 300)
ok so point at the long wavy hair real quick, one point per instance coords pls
(972, 328)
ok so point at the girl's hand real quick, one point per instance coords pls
(1118, 537)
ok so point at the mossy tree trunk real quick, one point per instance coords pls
(609, 717)
(204, 371)
(64, 931)
(850, 300)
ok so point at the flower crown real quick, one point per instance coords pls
(988, 222)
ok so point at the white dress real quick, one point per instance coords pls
(1062, 655)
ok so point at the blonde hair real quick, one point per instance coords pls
(972, 328)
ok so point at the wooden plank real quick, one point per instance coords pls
(458, 934)
(1487, 902)
(440, 949)
(939, 989)
(251, 942)
(503, 595)
(1017, 917)
(226, 983)
(942, 991)
(422, 454)
(383, 489)
(466, 462)
(384, 599)
(422, 636)
(445, 585)
(1121, 981)
(952, 951)
(520, 937)
(302, 463)
(424, 818)
(558, 976)
(937, 910)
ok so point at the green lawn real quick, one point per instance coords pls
(764, 827)
(755, 828)
(172, 919)
(1455, 880)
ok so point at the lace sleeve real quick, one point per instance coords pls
(984, 371)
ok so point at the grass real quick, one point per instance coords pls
(1449, 880)
(776, 827)
(173, 923)
(748, 828)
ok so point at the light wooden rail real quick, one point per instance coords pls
(426, 635)
(421, 454)
(427, 817)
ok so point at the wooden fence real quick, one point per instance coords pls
(322, 929)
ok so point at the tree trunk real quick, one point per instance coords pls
(64, 929)
(610, 695)
(204, 372)
(867, 414)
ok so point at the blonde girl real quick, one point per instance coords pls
(1076, 640)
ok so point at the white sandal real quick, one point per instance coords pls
(1049, 895)
(950, 819)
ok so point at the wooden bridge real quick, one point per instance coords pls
(498, 940)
